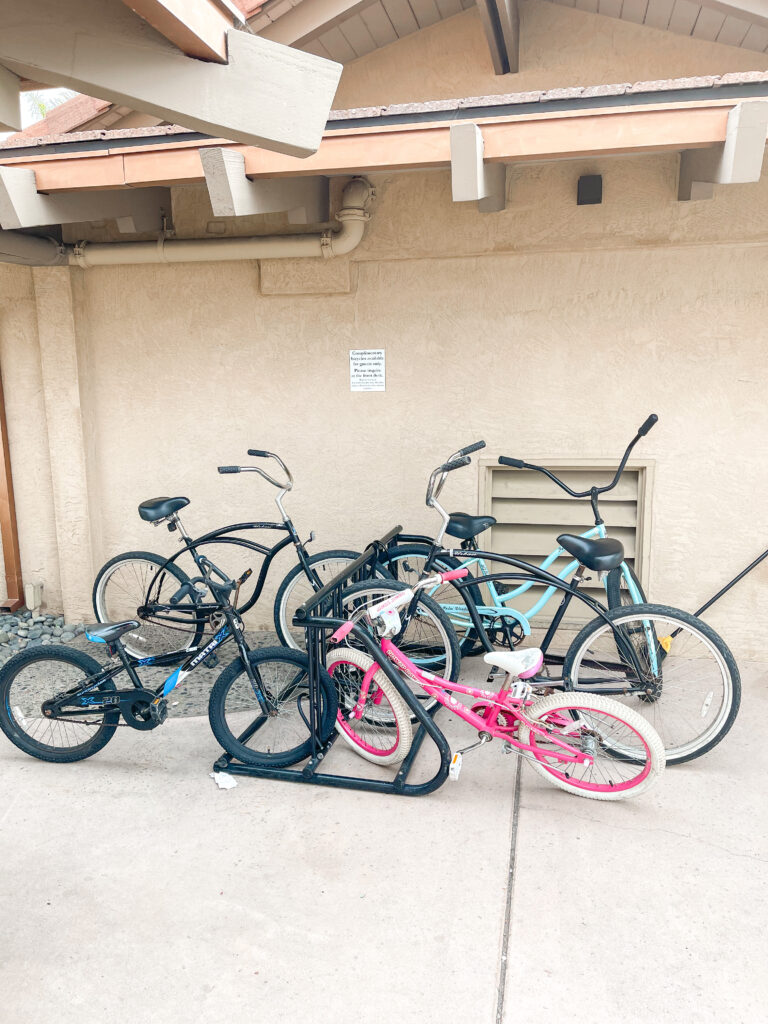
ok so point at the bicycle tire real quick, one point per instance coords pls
(603, 779)
(660, 708)
(468, 638)
(616, 591)
(150, 635)
(296, 662)
(382, 733)
(286, 600)
(10, 711)
(447, 649)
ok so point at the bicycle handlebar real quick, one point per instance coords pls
(282, 485)
(641, 432)
(471, 448)
(435, 485)
(651, 422)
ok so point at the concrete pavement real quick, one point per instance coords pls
(133, 889)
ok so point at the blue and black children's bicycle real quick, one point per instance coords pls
(59, 704)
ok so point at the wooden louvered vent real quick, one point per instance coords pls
(531, 511)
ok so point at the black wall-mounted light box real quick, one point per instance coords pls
(590, 190)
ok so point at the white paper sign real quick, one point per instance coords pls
(367, 369)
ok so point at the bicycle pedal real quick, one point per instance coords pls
(212, 660)
(455, 768)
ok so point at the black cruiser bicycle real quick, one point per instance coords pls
(172, 606)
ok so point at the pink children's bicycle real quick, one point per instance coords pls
(586, 744)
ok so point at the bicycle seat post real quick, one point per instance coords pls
(175, 523)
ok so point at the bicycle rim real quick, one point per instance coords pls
(690, 689)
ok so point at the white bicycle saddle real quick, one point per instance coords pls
(520, 664)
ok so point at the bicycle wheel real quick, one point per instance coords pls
(282, 737)
(379, 730)
(122, 586)
(683, 679)
(627, 753)
(406, 564)
(616, 589)
(297, 588)
(34, 676)
(427, 638)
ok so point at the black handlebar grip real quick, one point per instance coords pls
(652, 420)
(456, 464)
(257, 453)
(472, 448)
(505, 461)
(229, 469)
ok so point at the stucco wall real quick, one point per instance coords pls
(549, 330)
(559, 47)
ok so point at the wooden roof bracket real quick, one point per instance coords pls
(472, 177)
(22, 206)
(232, 194)
(737, 160)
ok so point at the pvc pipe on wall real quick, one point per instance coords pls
(31, 251)
(352, 217)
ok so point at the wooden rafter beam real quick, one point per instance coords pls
(197, 27)
(264, 95)
(501, 24)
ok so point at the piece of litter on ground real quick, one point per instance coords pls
(222, 780)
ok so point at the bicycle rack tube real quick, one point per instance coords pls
(320, 616)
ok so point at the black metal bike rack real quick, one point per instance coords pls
(320, 616)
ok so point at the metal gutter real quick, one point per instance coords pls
(470, 108)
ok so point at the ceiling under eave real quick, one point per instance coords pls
(684, 17)
(372, 24)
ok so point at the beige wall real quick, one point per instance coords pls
(559, 47)
(548, 329)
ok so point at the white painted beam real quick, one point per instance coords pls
(10, 105)
(738, 160)
(232, 194)
(501, 24)
(22, 206)
(472, 179)
(197, 27)
(266, 95)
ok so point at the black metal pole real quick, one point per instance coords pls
(732, 583)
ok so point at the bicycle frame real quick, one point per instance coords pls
(498, 609)
(81, 698)
(197, 612)
(498, 702)
(528, 572)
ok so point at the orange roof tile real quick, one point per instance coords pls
(65, 118)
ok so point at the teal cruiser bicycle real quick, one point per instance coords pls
(666, 664)
(506, 625)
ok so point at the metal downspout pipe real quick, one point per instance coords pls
(352, 216)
